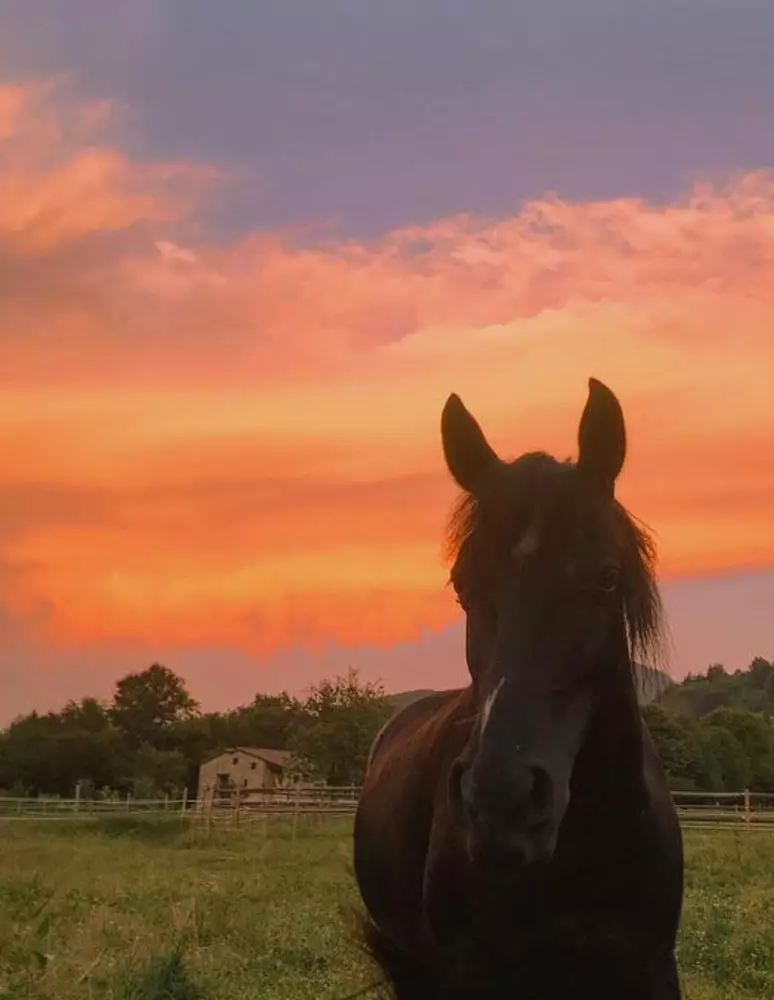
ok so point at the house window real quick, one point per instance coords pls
(252, 765)
(235, 760)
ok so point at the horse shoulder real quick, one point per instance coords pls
(410, 715)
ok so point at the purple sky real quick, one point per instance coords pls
(363, 116)
(369, 116)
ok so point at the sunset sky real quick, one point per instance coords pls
(247, 251)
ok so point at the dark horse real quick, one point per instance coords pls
(517, 838)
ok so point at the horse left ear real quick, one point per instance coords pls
(601, 437)
(468, 453)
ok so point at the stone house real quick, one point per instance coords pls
(251, 769)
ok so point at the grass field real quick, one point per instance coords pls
(133, 910)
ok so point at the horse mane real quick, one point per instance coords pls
(642, 606)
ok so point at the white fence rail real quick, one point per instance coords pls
(695, 809)
(715, 809)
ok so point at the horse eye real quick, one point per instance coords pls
(475, 601)
(463, 597)
(607, 579)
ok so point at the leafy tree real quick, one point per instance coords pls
(678, 746)
(756, 738)
(146, 704)
(727, 768)
(158, 771)
(28, 754)
(51, 753)
(88, 716)
(266, 722)
(333, 734)
(760, 671)
(716, 672)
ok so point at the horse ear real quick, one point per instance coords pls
(601, 437)
(468, 454)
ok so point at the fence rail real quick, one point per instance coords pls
(725, 809)
(695, 809)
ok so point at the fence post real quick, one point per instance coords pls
(747, 810)
(209, 807)
(77, 803)
(265, 822)
(296, 807)
(184, 806)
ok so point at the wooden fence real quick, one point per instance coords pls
(750, 810)
(725, 809)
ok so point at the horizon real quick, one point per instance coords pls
(246, 258)
(645, 676)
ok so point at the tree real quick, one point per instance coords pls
(759, 671)
(158, 771)
(265, 722)
(331, 737)
(87, 716)
(678, 747)
(51, 753)
(28, 756)
(147, 703)
(726, 764)
(756, 738)
(716, 672)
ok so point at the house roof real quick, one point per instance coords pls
(275, 758)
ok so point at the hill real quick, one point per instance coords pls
(750, 690)
(652, 685)
(713, 731)
(403, 698)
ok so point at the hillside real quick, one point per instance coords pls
(713, 732)
(403, 698)
(652, 685)
(750, 690)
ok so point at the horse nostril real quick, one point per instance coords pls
(521, 799)
(530, 799)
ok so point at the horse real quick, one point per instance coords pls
(516, 838)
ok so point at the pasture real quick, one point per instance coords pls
(128, 908)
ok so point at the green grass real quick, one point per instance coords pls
(129, 909)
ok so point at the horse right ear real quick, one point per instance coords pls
(468, 454)
(601, 437)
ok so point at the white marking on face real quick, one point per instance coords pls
(528, 544)
(489, 704)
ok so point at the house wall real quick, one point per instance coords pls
(245, 771)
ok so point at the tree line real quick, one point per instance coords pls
(151, 737)
(713, 731)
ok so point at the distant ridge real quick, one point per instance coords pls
(651, 685)
(404, 698)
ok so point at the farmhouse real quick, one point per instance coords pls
(243, 768)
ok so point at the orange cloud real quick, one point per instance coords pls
(56, 186)
(239, 443)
